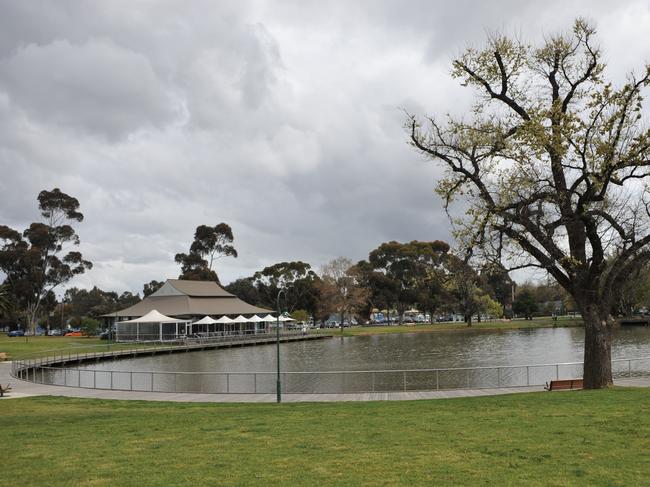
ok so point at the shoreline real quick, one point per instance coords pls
(445, 327)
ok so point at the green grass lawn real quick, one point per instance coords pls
(33, 346)
(433, 327)
(563, 438)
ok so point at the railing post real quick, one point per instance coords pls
(151, 381)
(468, 379)
(94, 379)
(404, 381)
(498, 377)
(373, 382)
(254, 383)
(629, 368)
(527, 376)
(437, 380)
(557, 371)
(131, 380)
(111, 380)
(227, 383)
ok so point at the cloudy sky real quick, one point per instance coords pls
(283, 119)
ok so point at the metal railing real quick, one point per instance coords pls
(45, 371)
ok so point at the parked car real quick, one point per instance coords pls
(105, 335)
(16, 333)
(74, 334)
(55, 333)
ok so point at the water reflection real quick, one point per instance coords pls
(467, 348)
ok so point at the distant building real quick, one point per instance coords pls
(190, 301)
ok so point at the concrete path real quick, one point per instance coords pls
(21, 388)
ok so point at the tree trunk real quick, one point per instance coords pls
(598, 348)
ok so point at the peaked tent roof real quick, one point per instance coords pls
(240, 319)
(224, 319)
(153, 316)
(206, 320)
(190, 298)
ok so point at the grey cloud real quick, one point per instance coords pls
(96, 87)
(282, 119)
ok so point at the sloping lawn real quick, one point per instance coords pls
(562, 438)
(35, 346)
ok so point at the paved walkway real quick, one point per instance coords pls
(27, 389)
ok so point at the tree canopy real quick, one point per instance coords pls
(209, 243)
(38, 260)
(552, 165)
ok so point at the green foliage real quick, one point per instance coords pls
(151, 287)
(548, 163)
(35, 263)
(405, 274)
(209, 244)
(6, 301)
(245, 290)
(300, 315)
(296, 278)
(95, 302)
(89, 326)
(525, 305)
(552, 166)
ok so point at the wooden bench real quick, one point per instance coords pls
(564, 385)
(4, 389)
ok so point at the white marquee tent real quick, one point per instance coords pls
(153, 326)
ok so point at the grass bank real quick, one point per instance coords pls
(566, 438)
(485, 325)
(18, 347)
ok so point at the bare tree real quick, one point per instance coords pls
(340, 288)
(554, 165)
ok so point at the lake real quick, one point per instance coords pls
(250, 369)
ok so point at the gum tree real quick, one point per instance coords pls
(40, 259)
(554, 165)
(209, 243)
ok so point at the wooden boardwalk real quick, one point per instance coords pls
(67, 357)
(28, 389)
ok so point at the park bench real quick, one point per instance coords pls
(4, 389)
(564, 385)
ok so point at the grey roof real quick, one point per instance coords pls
(191, 298)
(175, 287)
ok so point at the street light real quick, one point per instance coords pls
(277, 342)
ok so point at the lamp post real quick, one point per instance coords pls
(277, 343)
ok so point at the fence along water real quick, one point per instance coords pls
(46, 371)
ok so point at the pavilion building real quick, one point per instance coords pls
(186, 303)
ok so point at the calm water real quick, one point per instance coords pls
(442, 350)
(398, 351)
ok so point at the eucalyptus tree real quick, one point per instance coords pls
(6, 304)
(414, 269)
(296, 278)
(209, 244)
(553, 164)
(38, 260)
(151, 287)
